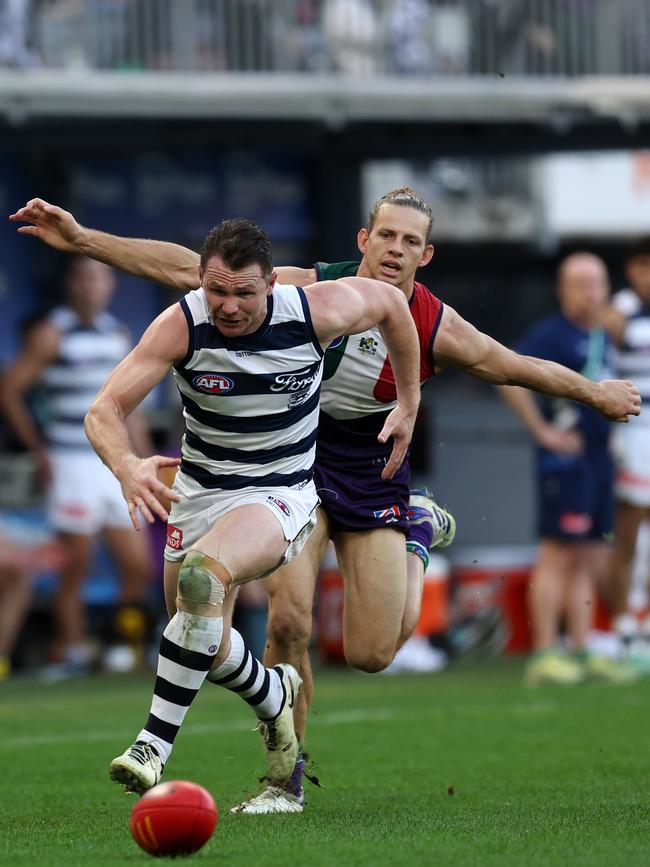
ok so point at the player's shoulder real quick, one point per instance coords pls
(627, 302)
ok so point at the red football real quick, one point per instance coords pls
(174, 818)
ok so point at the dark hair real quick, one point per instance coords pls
(239, 242)
(640, 247)
(405, 197)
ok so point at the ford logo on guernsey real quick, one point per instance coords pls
(213, 383)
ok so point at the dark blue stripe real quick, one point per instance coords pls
(190, 327)
(250, 424)
(434, 332)
(157, 727)
(234, 482)
(307, 314)
(262, 692)
(254, 456)
(59, 418)
(172, 692)
(281, 335)
(222, 681)
(187, 658)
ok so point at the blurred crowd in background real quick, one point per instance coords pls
(355, 37)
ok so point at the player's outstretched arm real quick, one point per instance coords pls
(163, 343)
(461, 345)
(355, 304)
(159, 261)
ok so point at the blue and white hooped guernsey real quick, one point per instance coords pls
(86, 358)
(250, 403)
(632, 359)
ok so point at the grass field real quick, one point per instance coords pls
(464, 768)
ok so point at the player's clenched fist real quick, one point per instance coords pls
(618, 400)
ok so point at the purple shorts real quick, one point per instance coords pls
(363, 500)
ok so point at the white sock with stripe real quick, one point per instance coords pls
(187, 649)
(242, 673)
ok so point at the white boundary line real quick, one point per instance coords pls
(338, 718)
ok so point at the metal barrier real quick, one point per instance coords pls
(360, 38)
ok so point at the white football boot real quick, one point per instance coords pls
(138, 769)
(423, 508)
(279, 734)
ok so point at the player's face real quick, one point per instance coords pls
(583, 292)
(397, 245)
(89, 286)
(638, 273)
(237, 299)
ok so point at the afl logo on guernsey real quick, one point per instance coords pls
(212, 383)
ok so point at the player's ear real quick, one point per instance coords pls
(272, 281)
(200, 273)
(362, 239)
(426, 256)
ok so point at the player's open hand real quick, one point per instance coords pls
(618, 399)
(143, 490)
(560, 441)
(399, 425)
(50, 224)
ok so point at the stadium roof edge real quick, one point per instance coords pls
(330, 99)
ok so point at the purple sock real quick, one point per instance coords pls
(422, 534)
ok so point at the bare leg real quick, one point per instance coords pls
(291, 599)
(130, 551)
(15, 592)
(69, 614)
(554, 569)
(373, 563)
(628, 520)
(581, 592)
(413, 604)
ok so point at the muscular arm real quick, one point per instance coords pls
(164, 342)
(161, 262)
(355, 304)
(40, 350)
(461, 345)
(158, 261)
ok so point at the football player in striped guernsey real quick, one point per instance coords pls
(68, 354)
(628, 322)
(366, 516)
(246, 354)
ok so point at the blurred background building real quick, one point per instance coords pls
(526, 123)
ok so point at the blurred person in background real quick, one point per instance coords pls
(575, 478)
(14, 33)
(69, 354)
(351, 31)
(628, 322)
(19, 562)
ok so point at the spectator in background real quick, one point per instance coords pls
(575, 477)
(406, 27)
(70, 354)
(351, 28)
(14, 33)
(628, 322)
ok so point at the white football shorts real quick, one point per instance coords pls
(631, 444)
(200, 508)
(84, 495)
